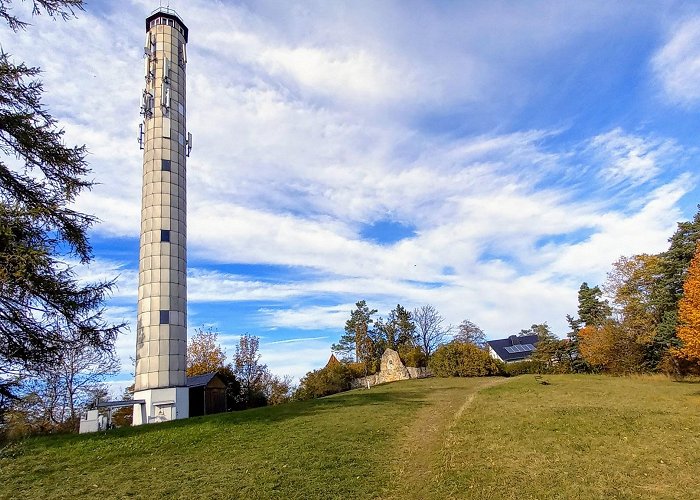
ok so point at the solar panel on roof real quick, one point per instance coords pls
(517, 348)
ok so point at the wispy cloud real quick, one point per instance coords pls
(294, 341)
(309, 318)
(677, 63)
(632, 159)
(312, 122)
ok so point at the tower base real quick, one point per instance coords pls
(161, 405)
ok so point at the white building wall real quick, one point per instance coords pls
(161, 405)
(494, 355)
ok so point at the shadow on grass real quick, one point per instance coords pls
(409, 399)
(687, 381)
(342, 401)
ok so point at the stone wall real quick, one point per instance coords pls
(391, 369)
(418, 372)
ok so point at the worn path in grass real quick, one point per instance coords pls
(415, 459)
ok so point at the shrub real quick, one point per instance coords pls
(458, 359)
(678, 368)
(522, 367)
(329, 380)
(611, 348)
(358, 370)
(412, 356)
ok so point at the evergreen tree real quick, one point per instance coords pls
(572, 349)
(574, 324)
(357, 334)
(542, 330)
(398, 330)
(550, 352)
(44, 310)
(591, 309)
(669, 288)
(676, 261)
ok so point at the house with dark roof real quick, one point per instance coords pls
(207, 394)
(514, 348)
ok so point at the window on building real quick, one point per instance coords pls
(165, 165)
(165, 235)
(164, 317)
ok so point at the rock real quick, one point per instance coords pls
(392, 368)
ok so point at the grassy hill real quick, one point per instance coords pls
(580, 437)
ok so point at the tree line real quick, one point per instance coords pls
(649, 321)
(415, 335)
(421, 337)
(250, 383)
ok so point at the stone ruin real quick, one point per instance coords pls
(391, 369)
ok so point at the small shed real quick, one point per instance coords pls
(207, 394)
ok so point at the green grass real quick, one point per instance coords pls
(580, 437)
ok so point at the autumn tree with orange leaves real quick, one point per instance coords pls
(204, 354)
(689, 312)
(611, 347)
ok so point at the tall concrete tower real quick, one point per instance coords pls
(161, 343)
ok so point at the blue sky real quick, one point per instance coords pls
(482, 157)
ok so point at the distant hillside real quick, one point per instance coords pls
(579, 437)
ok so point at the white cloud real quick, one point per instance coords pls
(102, 270)
(91, 80)
(309, 318)
(295, 359)
(633, 159)
(294, 341)
(213, 286)
(311, 121)
(617, 234)
(351, 72)
(677, 63)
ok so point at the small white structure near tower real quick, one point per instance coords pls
(161, 338)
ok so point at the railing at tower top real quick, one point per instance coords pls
(165, 10)
(166, 15)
